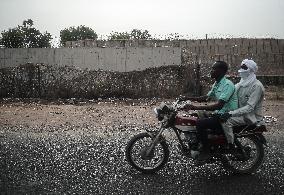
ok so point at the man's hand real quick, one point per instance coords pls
(224, 117)
(190, 107)
(197, 99)
(182, 98)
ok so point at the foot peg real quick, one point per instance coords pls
(194, 154)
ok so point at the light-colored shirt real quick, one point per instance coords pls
(224, 90)
(250, 100)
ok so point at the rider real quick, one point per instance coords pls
(250, 92)
(224, 100)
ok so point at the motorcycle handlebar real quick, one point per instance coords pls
(178, 106)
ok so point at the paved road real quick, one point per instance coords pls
(62, 164)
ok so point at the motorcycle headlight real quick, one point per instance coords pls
(158, 113)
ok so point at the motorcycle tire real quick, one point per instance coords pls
(230, 164)
(133, 160)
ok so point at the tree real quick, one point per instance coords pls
(12, 38)
(25, 36)
(119, 36)
(173, 36)
(28, 22)
(139, 34)
(135, 34)
(77, 33)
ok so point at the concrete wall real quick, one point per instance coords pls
(115, 59)
(268, 53)
(129, 55)
(141, 68)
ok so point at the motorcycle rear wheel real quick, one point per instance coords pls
(255, 151)
(137, 157)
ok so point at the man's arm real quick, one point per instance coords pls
(251, 103)
(210, 107)
(227, 92)
(198, 99)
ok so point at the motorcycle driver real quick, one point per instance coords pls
(224, 100)
(250, 93)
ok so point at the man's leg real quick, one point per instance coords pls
(228, 127)
(208, 123)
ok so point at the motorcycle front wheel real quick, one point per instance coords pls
(138, 154)
(247, 161)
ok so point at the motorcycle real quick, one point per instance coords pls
(148, 152)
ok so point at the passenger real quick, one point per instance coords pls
(250, 93)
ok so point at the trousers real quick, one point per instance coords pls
(228, 127)
(203, 124)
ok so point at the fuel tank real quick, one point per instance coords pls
(185, 123)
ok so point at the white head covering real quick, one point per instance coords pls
(247, 76)
(250, 64)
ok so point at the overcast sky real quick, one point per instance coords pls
(194, 18)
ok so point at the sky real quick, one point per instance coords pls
(190, 18)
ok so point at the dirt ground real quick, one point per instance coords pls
(101, 118)
(40, 116)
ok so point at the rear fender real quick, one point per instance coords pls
(261, 138)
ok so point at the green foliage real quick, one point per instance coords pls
(28, 23)
(119, 36)
(139, 34)
(25, 36)
(77, 33)
(135, 34)
(13, 38)
(173, 36)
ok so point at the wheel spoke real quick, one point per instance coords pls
(153, 161)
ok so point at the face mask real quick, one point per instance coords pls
(244, 73)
